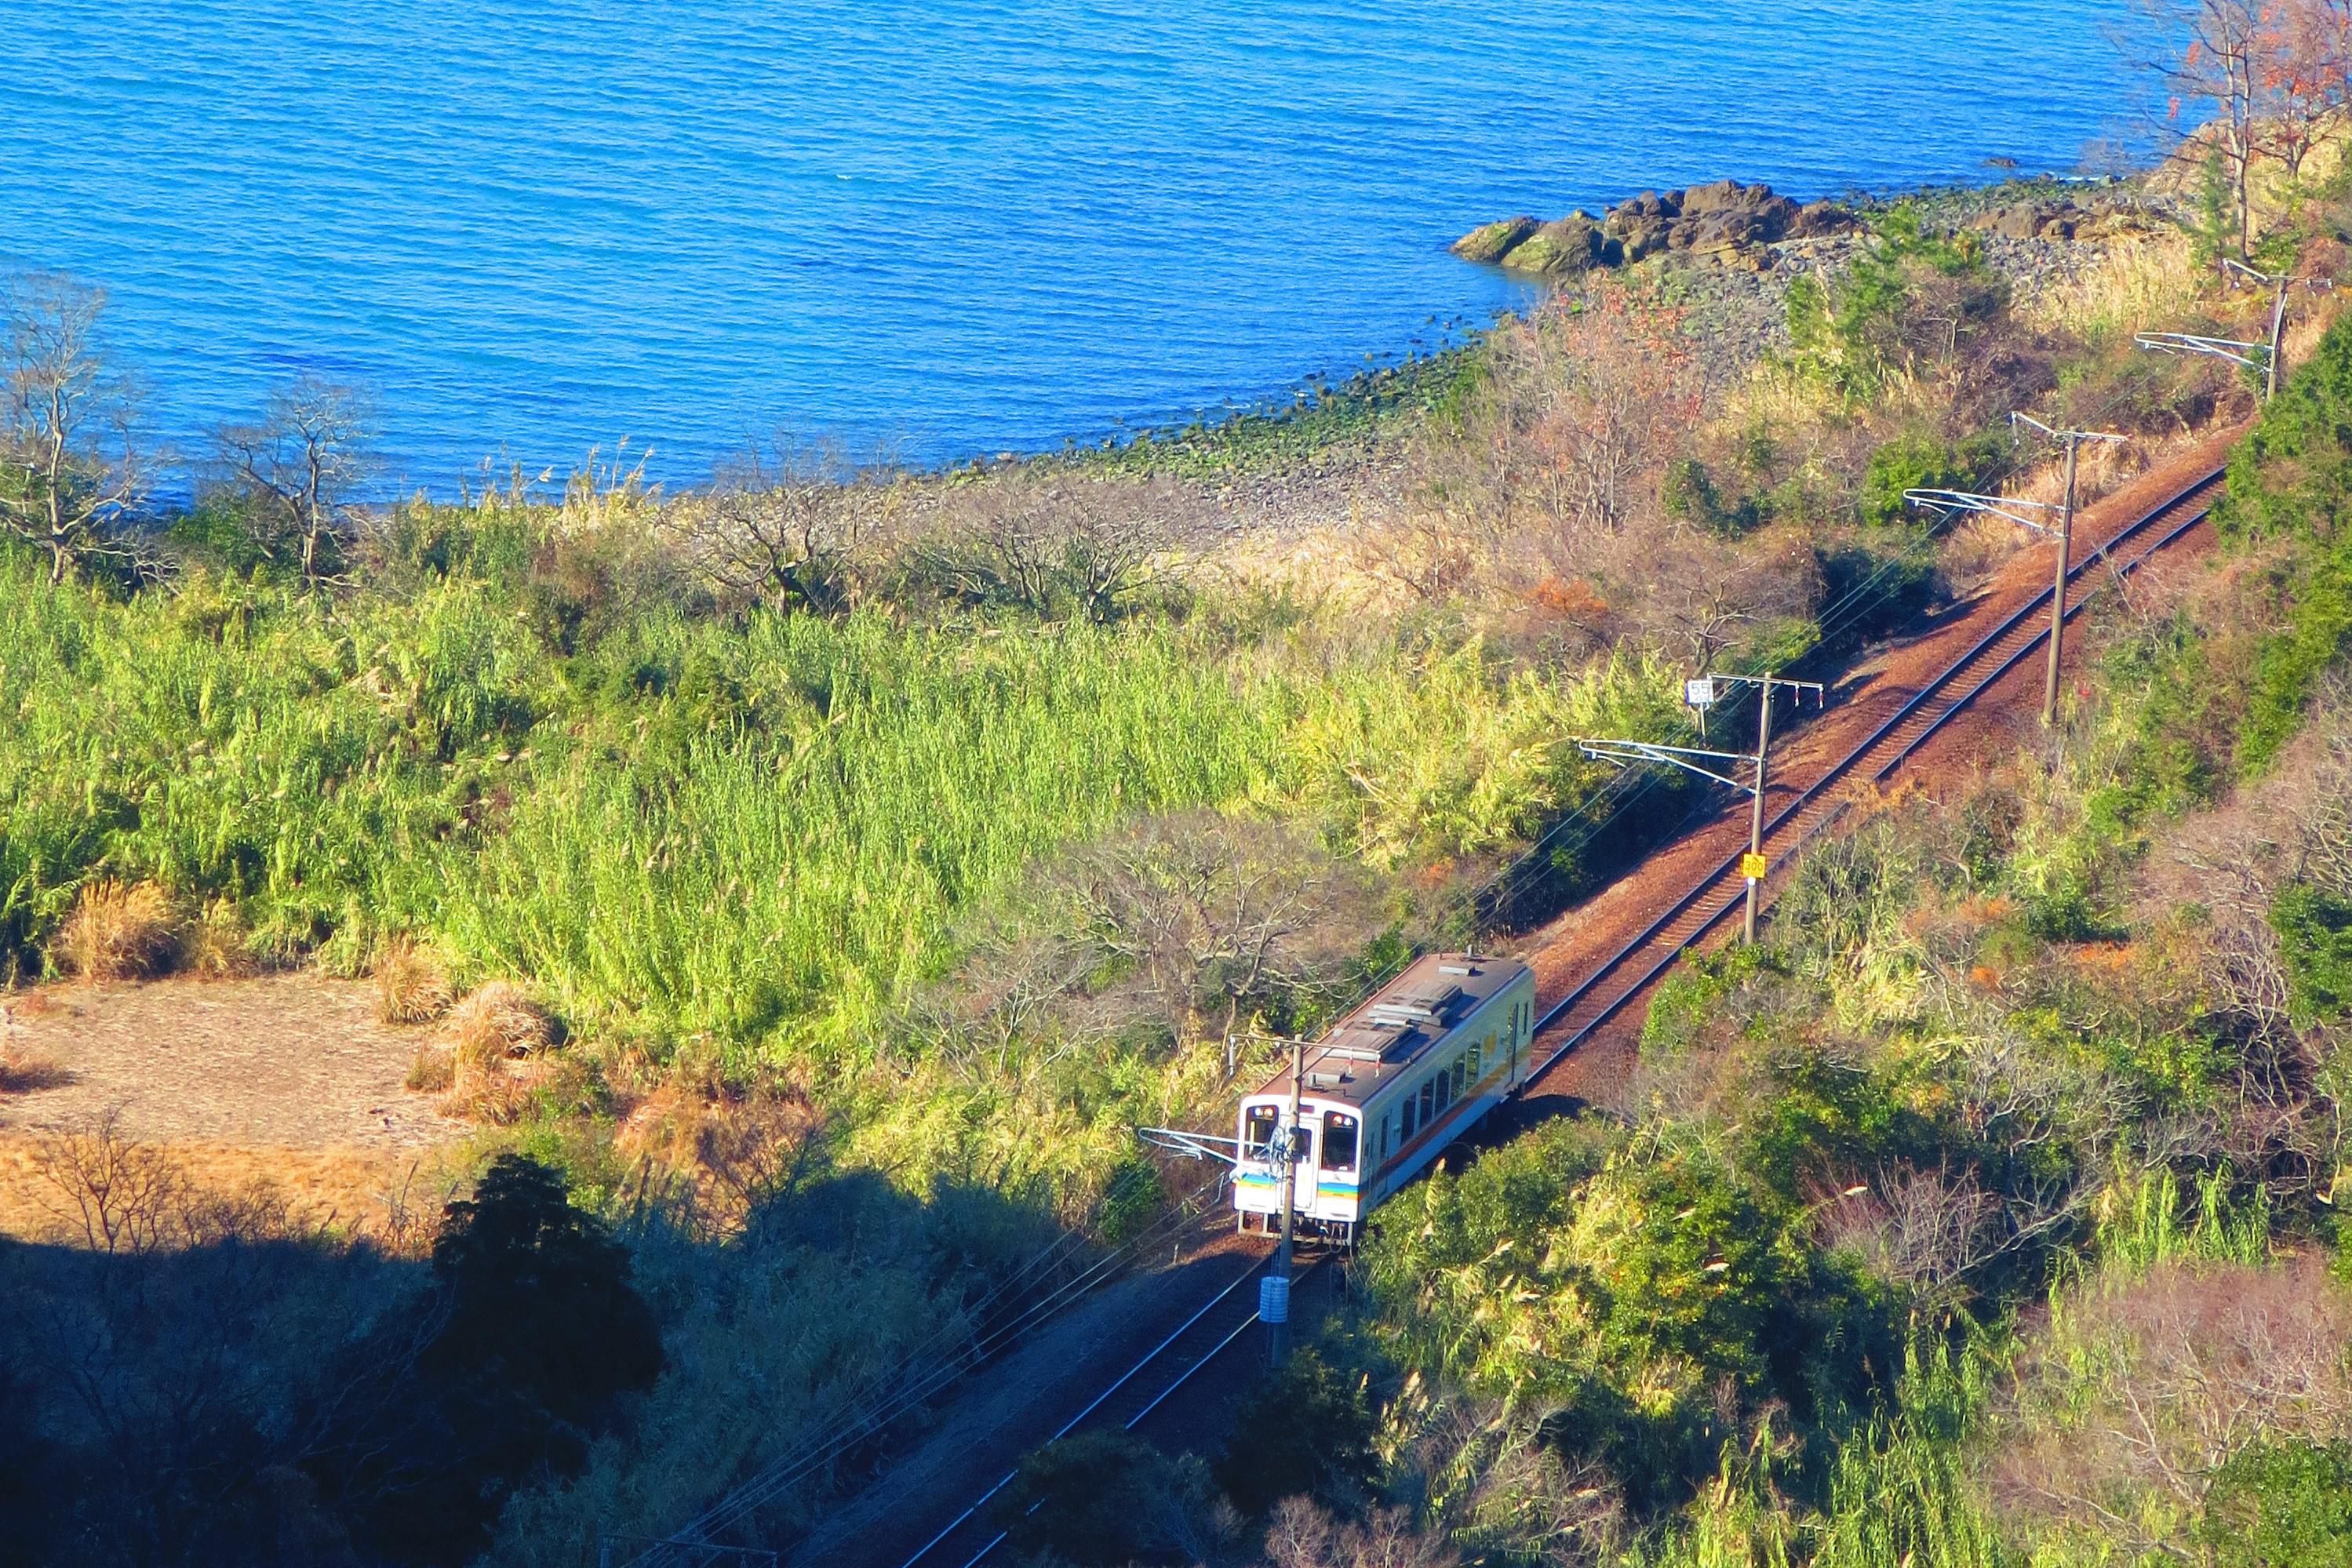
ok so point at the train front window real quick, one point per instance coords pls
(1338, 1143)
(1259, 1121)
(1303, 1152)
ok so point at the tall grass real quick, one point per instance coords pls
(763, 833)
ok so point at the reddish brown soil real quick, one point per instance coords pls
(2003, 717)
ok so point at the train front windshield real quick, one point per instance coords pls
(1260, 1124)
(1338, 1143)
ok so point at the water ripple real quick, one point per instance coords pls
(527, 226)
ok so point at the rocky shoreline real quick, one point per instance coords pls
(1753, 228)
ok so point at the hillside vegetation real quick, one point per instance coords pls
(817, 877)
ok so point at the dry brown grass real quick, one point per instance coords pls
(22, 1071)
(2136, 284)
(120, 933)
(215, 946)
(388, 1196)
(411, 985)
(733, 1147)
(490, 1052)
(431, 1072)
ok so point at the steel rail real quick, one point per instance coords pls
(2023, 616)
(691, 1543)
(1256, 1266)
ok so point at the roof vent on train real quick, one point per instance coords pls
(1412, 1008)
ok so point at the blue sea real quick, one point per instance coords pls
(529, 227)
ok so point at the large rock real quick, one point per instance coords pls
(1642, 225)
(1492, 242)
(1574, 244)
(1725, 222)
(1771, 211)
(1818, 220)
(2033, 220)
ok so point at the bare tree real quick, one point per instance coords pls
(1676, 583)
(1431, 549)
(1058, 547)
(117, 1194)
(787, 524)
(1590, 396)
(2307, 77)
(1190, 924)
(297, 469)
(2277, 75)
(2146, 1391)
(1206, 907)
(72, 476)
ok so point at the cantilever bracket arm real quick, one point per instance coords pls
(1623, 752)
(1192, 1146)
(2007, 508)
(2254, 355)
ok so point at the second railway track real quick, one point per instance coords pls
(1603, 990)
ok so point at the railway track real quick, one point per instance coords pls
(1142, 1388)
(1224, 1319)
(1620, 977)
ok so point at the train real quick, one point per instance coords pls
(1385, 1090)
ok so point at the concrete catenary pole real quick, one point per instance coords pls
(1756, 816)
(2278, 332)
(2058, 592)
(1274, 1306)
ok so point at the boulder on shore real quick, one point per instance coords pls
(1490, 241)
(1574, 244)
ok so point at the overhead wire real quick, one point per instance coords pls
(1593, 814)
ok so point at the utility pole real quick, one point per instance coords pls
(1754, 864)
(2035, 515)
(1274, 1291)
(2278, 330)
(2072, 440)
(2265, 356)
(1701, 692)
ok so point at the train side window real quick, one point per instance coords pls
(1338, 1143)
(1461, 1073)
(1411, 1114)
(1444, 1087)
(1260, 1121)
(1475, 1058)
(1428, 1098)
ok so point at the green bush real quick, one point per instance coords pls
(2291, 484)
(1095, 1502)
(2315, 933)
(1918, 460)
(1689, 493)
(1306, 1431)
(1909, 297)
(2281, 1505)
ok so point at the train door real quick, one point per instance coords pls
(1303, 1150)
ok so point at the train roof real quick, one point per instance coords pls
(1401, 1022)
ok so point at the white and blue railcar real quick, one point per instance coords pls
(1386, 1089)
